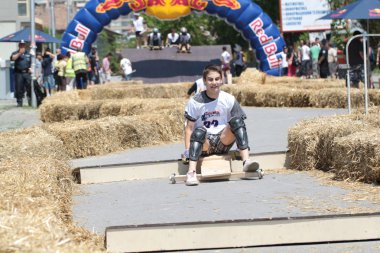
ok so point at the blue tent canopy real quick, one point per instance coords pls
(25, 35)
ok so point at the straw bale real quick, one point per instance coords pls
(35, 208)
(140, 91)
(252, 76)
(268, 96)
(110, 134)
(61, 111)
(335, 98)
(30, 142)
(356, 157)
(310, 142)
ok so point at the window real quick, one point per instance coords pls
(22, 6)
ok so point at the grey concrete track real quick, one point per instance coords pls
(267, 130)
(12, 117)
(157, 201)
(351, 247)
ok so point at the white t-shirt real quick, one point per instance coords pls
(213, 114)
(200, 86)
(305, 53)
(173, 37)
(126, 66)
(139, 24)
(284, 61)
(226, 57)
(332, 55)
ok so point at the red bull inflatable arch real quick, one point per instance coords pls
(246, 17)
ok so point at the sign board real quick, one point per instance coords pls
(303, 15)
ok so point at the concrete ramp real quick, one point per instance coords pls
(243, 233)
(168, 66)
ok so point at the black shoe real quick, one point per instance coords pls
(19, 104)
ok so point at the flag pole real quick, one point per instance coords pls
(33, 51)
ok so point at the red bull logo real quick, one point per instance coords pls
(374, 12)
(339, 13)
(109, 5)
(232, 4)
(166, 9)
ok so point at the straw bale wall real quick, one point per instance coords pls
(35, 197)
(110, 134)
(356, 156)
(59, 110)
(347, 145)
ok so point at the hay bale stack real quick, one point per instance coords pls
(105, 135)
(87, 110)
(140, 91)
(268, 96)
(62, 111)
(356, 157)
(252, 76)
(31, 142)
(35, 208)
(310, 142)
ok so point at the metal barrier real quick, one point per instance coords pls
(6, 87)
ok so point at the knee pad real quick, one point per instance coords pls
(197, 139)
(238, 128)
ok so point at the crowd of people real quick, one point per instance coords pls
(60, 72)
(310, 59)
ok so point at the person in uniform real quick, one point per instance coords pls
(80, 63)
(23, 62)
(214, 121)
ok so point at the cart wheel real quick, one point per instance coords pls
(172, 178)
(261, 173)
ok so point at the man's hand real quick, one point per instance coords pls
(185, 156)
(21, 50)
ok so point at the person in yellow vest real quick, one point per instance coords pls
(69, 73)
(80, 63)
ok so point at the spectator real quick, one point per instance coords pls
(23, 61)
(356, 60)
(378, 60)
(39, 68)
(225, 60)
(154, 39)
(284, 61)
(47, 67)
(197, 87)
(314, 50)
(332, 60)
(61, 66)
(293, 62)
(106, 68)
(239, 63)
(94, 66)
(69, 73)
(322, 60)
(173, 39)
(80, 63)
(126, 68)
(138, 23)
(305, 60)
(184, 41)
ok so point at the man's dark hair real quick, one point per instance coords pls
(211, 68)
(324, 42)
(224, 48)
(68, 54)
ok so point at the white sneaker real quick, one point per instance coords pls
(250, 166)
(191, 179)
